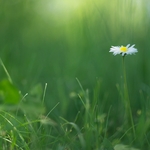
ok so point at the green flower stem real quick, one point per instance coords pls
(127, 100)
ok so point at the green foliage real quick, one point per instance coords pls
(9, 94)
(106, 145)
(123, 147)
(56, 42)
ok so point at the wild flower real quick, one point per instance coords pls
(123, 50)
(126, 50)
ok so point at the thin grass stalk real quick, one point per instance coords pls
(127, 100)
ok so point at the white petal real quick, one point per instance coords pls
(128, 46)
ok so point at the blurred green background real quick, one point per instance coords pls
(57, 41)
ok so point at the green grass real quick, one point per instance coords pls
(26, 125)
(60, 88)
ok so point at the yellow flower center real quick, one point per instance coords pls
(123, 49)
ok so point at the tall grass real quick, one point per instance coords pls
(57, 42)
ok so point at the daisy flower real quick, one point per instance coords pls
(123, 50)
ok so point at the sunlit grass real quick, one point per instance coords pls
(65, 44)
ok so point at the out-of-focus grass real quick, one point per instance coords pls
(56, 41)
(44, 41)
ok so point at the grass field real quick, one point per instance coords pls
(61, 88)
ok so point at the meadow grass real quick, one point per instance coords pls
(60, 88)
(26, 126)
